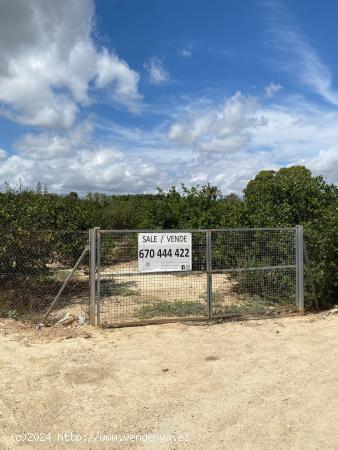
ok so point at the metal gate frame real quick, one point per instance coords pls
(95, 259)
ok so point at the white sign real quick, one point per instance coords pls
(163, 252)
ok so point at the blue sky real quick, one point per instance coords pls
(127, 95)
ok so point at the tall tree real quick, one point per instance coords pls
(293, 196)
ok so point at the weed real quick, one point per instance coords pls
(171, 309)
(119, 290)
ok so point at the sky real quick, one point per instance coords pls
(123, 96)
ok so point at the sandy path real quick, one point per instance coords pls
(246, 385)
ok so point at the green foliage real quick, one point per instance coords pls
(282, 198)
(272, 287)
(321, 238)
(293, 196)
(195, 207)
(171, 309)
(118, 290)
(249, 304)
(120, 211)
(34, 211)
(288, 197)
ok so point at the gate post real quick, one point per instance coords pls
(299, 269)
(98, 275)
(209, 272)
(92, 276)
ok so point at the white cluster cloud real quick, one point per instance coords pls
(326, 162)
(227, 145)
(49, 63)
(272, 89)
(3, 154)
(157, 73)
(72, 161)
(51, 68)
(224, 129)
(236, 139)
(53, 145)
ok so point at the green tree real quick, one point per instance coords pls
(293, 196)
(287, 197)
(195, 207)
(231, 211)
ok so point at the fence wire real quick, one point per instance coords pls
(250, 271)
(233, 271)
(34, 266)
(128, 295)
(254, 271)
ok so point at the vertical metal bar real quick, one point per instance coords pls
(299, 269)
(98, 275)
(209, 272)
(297, 266)
(92, 275)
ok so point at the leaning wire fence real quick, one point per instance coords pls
(33, 267)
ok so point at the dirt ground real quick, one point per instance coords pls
(136, 291)
(239, 385)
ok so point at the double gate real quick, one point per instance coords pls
(235, 271)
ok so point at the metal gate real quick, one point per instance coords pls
(234, 271)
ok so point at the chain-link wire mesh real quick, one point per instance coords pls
(249, 271)
(33, 268)
(128, 295)
(233, 271)
(254, 271)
